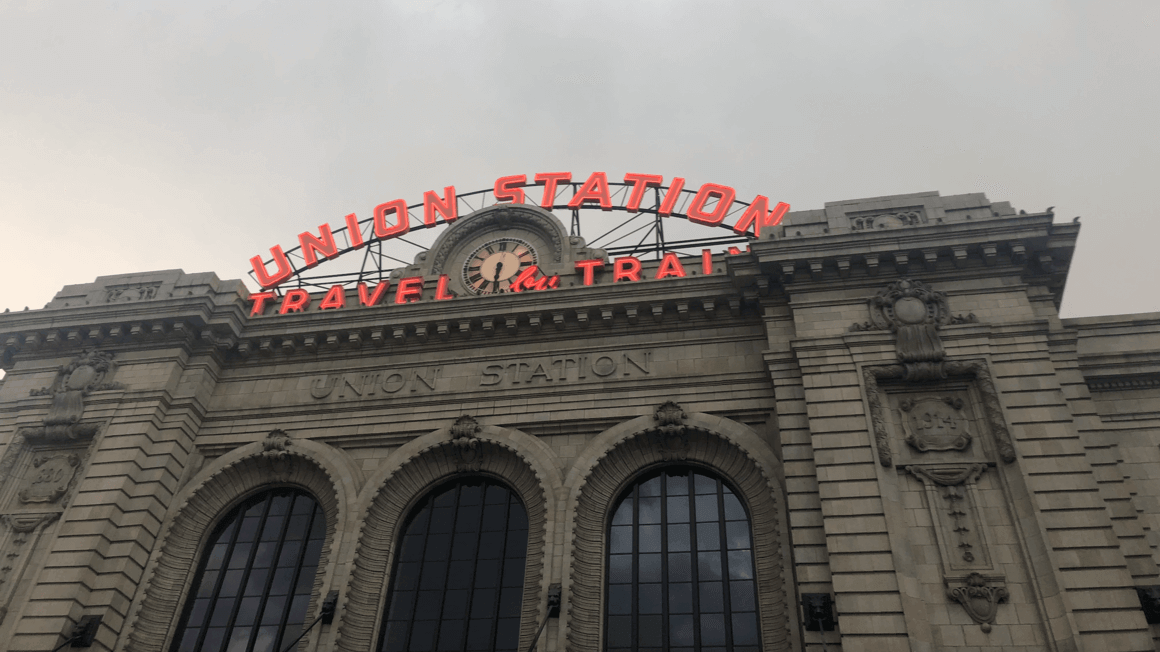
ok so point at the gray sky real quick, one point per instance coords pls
(147, 135)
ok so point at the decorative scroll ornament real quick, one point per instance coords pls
(671, 437)
(87, 373)
(979, 599)
(49, 479)
(465, 449)
(936, 424)
(914, 313)
(276, 445)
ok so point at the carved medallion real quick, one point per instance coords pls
(935, 424)
(49, 478)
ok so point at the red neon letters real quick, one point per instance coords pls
(549, 180)
(410, 289)
(323, 244)
(267, 280)
(399, 208)
(589, 267)
(510, 188)
(710, 205)
(724, 195)
(757, 217)
(626, 269)
(594, 189)
(640, 183)
(373, 298)
(445, 207)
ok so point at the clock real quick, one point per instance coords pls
(492, 267)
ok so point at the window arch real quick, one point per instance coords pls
(458, 578)
(680, 567)
(253, 585)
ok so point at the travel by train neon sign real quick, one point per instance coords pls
(710, 205)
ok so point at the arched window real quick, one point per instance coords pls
(253, 585)
(680, 567)
(458, 578)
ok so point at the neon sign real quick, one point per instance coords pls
(709, 206)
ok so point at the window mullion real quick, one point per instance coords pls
(726, 585)
(502, 567)
(217, 583)
(635, 591)
(430, 500)
(696, 561)
(664, 561)
(474, 566)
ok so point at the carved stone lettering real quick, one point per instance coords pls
(935, 424)
(125, 293)
(49, 478)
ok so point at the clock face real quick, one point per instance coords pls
(494, 265)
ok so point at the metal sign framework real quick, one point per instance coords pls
(377, 265)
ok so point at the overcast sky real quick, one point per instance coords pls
(144, 135)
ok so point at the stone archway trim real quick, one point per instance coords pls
(424, 467)
(638, 446)
(223, 484)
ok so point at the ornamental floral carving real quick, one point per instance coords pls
(276, 445)
(979, 598)
(671, 437)
(86, 373)
(465, 448)
(935, 424)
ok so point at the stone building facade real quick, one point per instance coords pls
(885, 385)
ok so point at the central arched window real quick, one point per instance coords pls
(680, 567)
(254, 582)
(458, 578)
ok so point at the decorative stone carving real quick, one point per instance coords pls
(276, 445)
(500, 218)
(125, 293)
(465, 449)
(18, 539)
(897, 219)
(670, 437)
(935, 424)
(87, 373)
(953, 501)
(992, 409)
(979, 598)
(914, 313)
(49, 478)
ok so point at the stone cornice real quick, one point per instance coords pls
(227, 332)
(1038, 247)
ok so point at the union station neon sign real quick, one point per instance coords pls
(710, 206)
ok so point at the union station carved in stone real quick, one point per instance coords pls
(870, 431)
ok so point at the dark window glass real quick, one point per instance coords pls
(680, 567)
(457, 583)
(253, 585)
